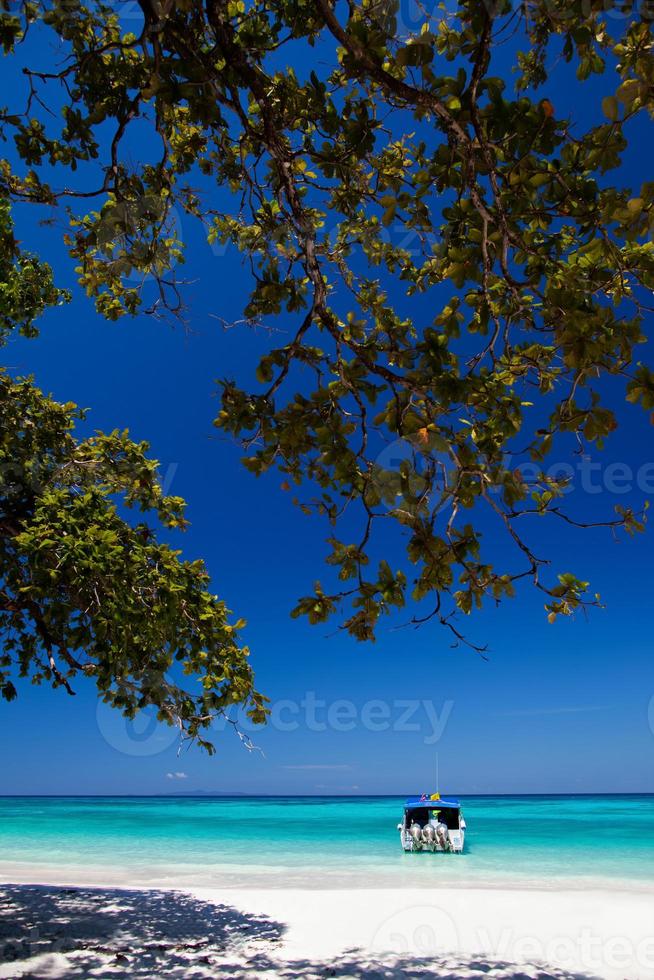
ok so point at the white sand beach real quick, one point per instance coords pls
(50, 932)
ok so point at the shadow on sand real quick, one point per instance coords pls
(70, 932)
(357, 965)
(51, 933)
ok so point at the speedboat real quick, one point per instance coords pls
(432, 823)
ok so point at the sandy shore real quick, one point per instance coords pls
(50, 932)
(586, 932)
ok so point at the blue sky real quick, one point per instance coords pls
(557, 708)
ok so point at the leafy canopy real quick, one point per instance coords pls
(481, 345)
(82, 591)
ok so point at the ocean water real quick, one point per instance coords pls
(534, 841)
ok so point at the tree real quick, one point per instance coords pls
(82, 591)
(537, 268)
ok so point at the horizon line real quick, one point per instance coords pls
(277, 796)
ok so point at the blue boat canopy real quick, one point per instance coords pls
(440, 803)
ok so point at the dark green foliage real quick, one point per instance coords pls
(82, 591)
(536, 265)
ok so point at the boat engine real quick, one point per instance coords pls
(429, 834)
(416, 833)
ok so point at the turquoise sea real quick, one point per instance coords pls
(537, 841)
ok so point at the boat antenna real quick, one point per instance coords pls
(437, 794)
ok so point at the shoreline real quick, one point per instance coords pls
(574, 933)
(282, 878)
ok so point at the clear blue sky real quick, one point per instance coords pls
(557, 708)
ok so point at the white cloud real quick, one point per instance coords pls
(338, 789)
(563, 710)
(341, 768)
(176, 775)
